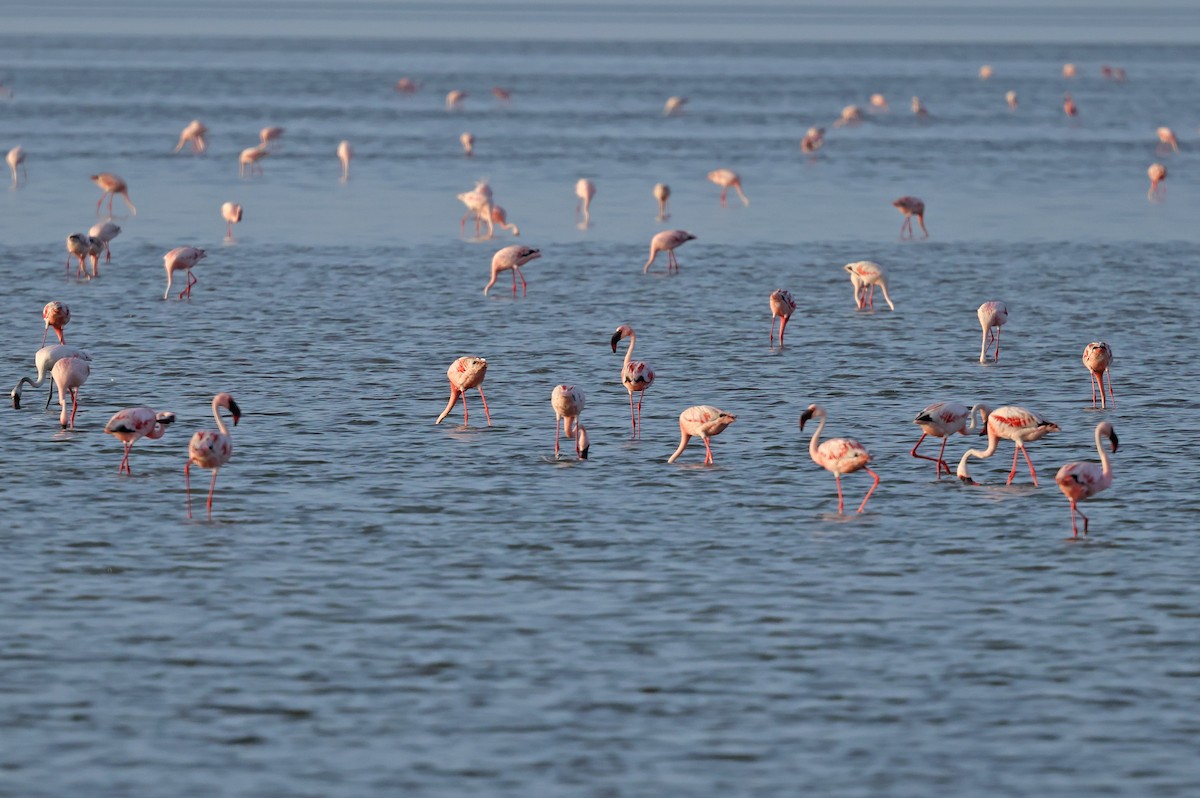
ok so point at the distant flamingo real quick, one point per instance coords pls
(95, 250)
(727, 179)
(813, 140)
(782, 307)
(269, 135)
(985, 72)
(69, 374)
(568, 403)
(44, 359)
(662, 193)
(105, 232)
(15, 158)
(1080, 480)
(182, 259)
(703, 422)
(465, 373)
(919, 108)
(584, 189)
(112, 185)
(231, 212)
(479, 207)
(78, 246)
(194, 134)
(1097, 356)
(55, 314)
(1069, 71)
(838, 455)
(941, 420)
(1069, 106)
(500, 219)
(512, 258)
(636, 375)
(407, 86)
(865, 275)
(455, 99)
(468, 144)
(1010, 97)
(852, 114)
(1166, 141)
(1158, 191)
(879, 104)
(992, 315)
(211, 448)
(503, 95)
(667, 241)
(250, 157)
(344, 154)
(910, 207)
(1018, 425)
(674, 106)
(132, 423)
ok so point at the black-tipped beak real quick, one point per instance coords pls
(583, 454)
(967, 481)
(805, 416)
(16, 402)
(1112, 438)
(615, 338)
(235, 411)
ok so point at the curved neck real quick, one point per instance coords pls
(1105, 465)
(993, 441)
(216, 406)
(32, 384)
(629, 351)
(815, 442)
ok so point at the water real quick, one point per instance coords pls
(384, 606)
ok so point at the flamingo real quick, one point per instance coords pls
(667, 241)
(194, 135)
(466, 372)
(500, 218)
(44, 359)
(512, 257)
(182, 259)
(78, 246)
(1010, 97)
(1158, 191)
(568, 402)
(468, 144)
(782, 307)
(269, 135)
(250, 157)
(1069, 106)
(211, 448)
(1069, 71)
(69, 374)
(813, 140)
(1079, 480)
(231, 212)
(662, 193)
(1166, 141)
(942, 420)
(636, 375)
(879, 104)
(407, 86)
(455, 99)
(479, 206)
(1018, 425)
(501, 94)
(910, 207)
(95, 250)
(865, 275)
(584, 189)
(56, 314)
(112, 185)
(15, 158)
(674, 106)
(105, 232)
(704, 422)
(919, 108)
(852, 114)
(1097, 356)
(992, 315)
(344, 154)
(838, 455)
(136, 422)
(727, 179)
(985, 72)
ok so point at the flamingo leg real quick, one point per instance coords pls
(187, 485)
(99, 203)
(724, 191)
(921, 221)
(871, 490)
(1093, 384)
(212, 486)
(997, 344)
(124, 466)
(641, 396)
(871, 296)
(772, 338)
(1013, 472)
(524, 291)
(49, 395)
(672, 262)
(74, 405)
(486, 414)
(937, 459)
(1029, 463)
(838, 479)
(783, 320)
(942, 459)
(556, 436)
(632, 418)
(707, 452)
(463, 394)
(107, 254)
(1112, 395)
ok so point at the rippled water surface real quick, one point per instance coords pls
(382, 606)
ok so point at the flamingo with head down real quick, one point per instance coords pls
(465, 373)
(134, 423)
(56, 314)
(1018, 425)
(992, 316)
(69, 373)
(727, 179)
(864, 276)
(703, 422)
(667, 241)
(512, 258)
(1097, 356)
(44, 359)
(112, 185)
(568, 403)
(782, 307)
(942, 420)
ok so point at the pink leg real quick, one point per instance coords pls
(783, 320)
(107, 254)
(124, 466)
(641, 396)
(1111, 395)
(524, 292)
(74, 405)
(99, 203)
(1013, 472)
(921, 220)
(927, 457)
(556, 436)
(1093, 383)
(838, 479)
(772, 339)
(632, 417)
(997, 344)
(869, 492)
(707, 452)
(724, 191)
(212, 486)
(942, 459)
(1033, 473)
(486, 414)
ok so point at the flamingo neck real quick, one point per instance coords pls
(32, 384)
(815, 442)
(1105, 465)
(216, 406)
(993, 441)
(629, 351)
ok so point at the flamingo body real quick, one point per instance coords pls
(942, 420)
(910, 207)
(512, 258)
(704, 422)
(813, 140)
(112, 185)
(584, 189)
(134, 423)
(16, 158)
(662, 193)
(1081, 480)
(568, 402)
(852, 114)
(468, 144)
(344, 153)
(464, 373)
(231, 212)
(1070, 108)
(1010, 97)
(838, 455)
(454, 99)
(674, 106)
(248, 160)
(1166, 140)
(667, 241)
(1158, 191)
(864, 276)
(105, 232)
(194, 134)
(1018, 425)
(269, 135)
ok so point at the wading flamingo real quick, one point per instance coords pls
(95, 250)
(344, 154)
(182, 259)
(464, 373)
(105, 232)
(852, 114)
(1018, 425)
(813, 140)
(468, 144)
(112, 185)
(512, 257)
(78, 246)
(501, 94)
(479, 206)
(985, 72)
(44, 359)
(1010, 97)
(992, 316)
(782, 307)
(662, 193)
(1158, 191)
(864, 276)
(500, 219)
(15, 158)
(211, 448)
(568, 402)
(918, 107)
(194, 135)
(942, 420)
(636, 375)
(879, 104)
(704, 422)
(249, 159)
(136, 422)
(269, 135)
(1069, 106)
(231, 212)
(69, 374)
(407, 86)
(910, 207)
(1166, 141)
(674, 106)
(454, 99)
(1069, 71)
(584, 189)
(838, 455)
(727, 179)
(1080, 480)
(56, 314)
(667, 241)
(1097, 356)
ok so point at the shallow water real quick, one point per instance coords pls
(381, 605)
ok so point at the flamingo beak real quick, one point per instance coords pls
(235, 411)
(805, 416)
(1112, 438)
(16, 400)
(615, 338)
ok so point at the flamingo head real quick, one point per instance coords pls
(226, 401)
(622, 331)
(1107, 429)
(16, 397)
(164, 417)
(813, 411)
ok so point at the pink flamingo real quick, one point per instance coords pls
(407, 86)
(1069, 106)
(231, 212)
(479, 206)
(568, 402)
(636, 375)
(69, 374)
(879, 104)
(1158, 191)
(500, 219)
(344, 154)
(985, 72)
(512, 257)
(105, 232)
(727, 179)
(182, 259)
(464, 373)
(95, 250)
(194, 134)
(919, 108)
(942, 420)
(674, 106)
(1080, 480)
(44, 359)
(852, 114)
(782, 307)
(211, 448)
(667, 241)
(56, 314)
(838, 455)
(132, 423)
(584, 189)
(864, 276)
(455, 99)
(992, 315)
(910, 207)
(112, 185)
(269, 135)
(1018, 425)
(78, 246)
(1010, 97)
(703, 422)
(15, 158)
(249, 160)
(1166, 141)
(503, 95)
(1069, 71)
(813, 140)
(468, 144)
(1097, 356)
(662, 193)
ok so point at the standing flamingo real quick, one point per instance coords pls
(568, 402)
(136, 422)
(838, 455)
(636, 375)
(667, 241)
(674, 106)
(879, 104)
(662, 193)
(344, 154)
(501, 94)
(852, 114)
(1010, 97)
(1069, 106)
(479, 206)
(1097, 356)
(44, 359)
(269, 135)
(1080, 480)
(1018, 425)
(985, 72)
(56, 314)
(466, 372)
(182, 259)
(864, 276)
(69, 374)
(15, 158)
(468, 143)
(231, 212)
(813, 140)
(105, 232)
(455, 99)
(95, 250)
(78, 246)
(250, 158)
(942, 420)
(1166, 141)
(584, 189)
(918, 107)
(500, 219)
(512, 257)
(910, 207)
(727, 179)
(194, 134)
(407, 86)
(1069, 71)
(704, 422)
(782, 307)
(1158, 191)
(211, 448)
(992, 316)
(112, 185)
